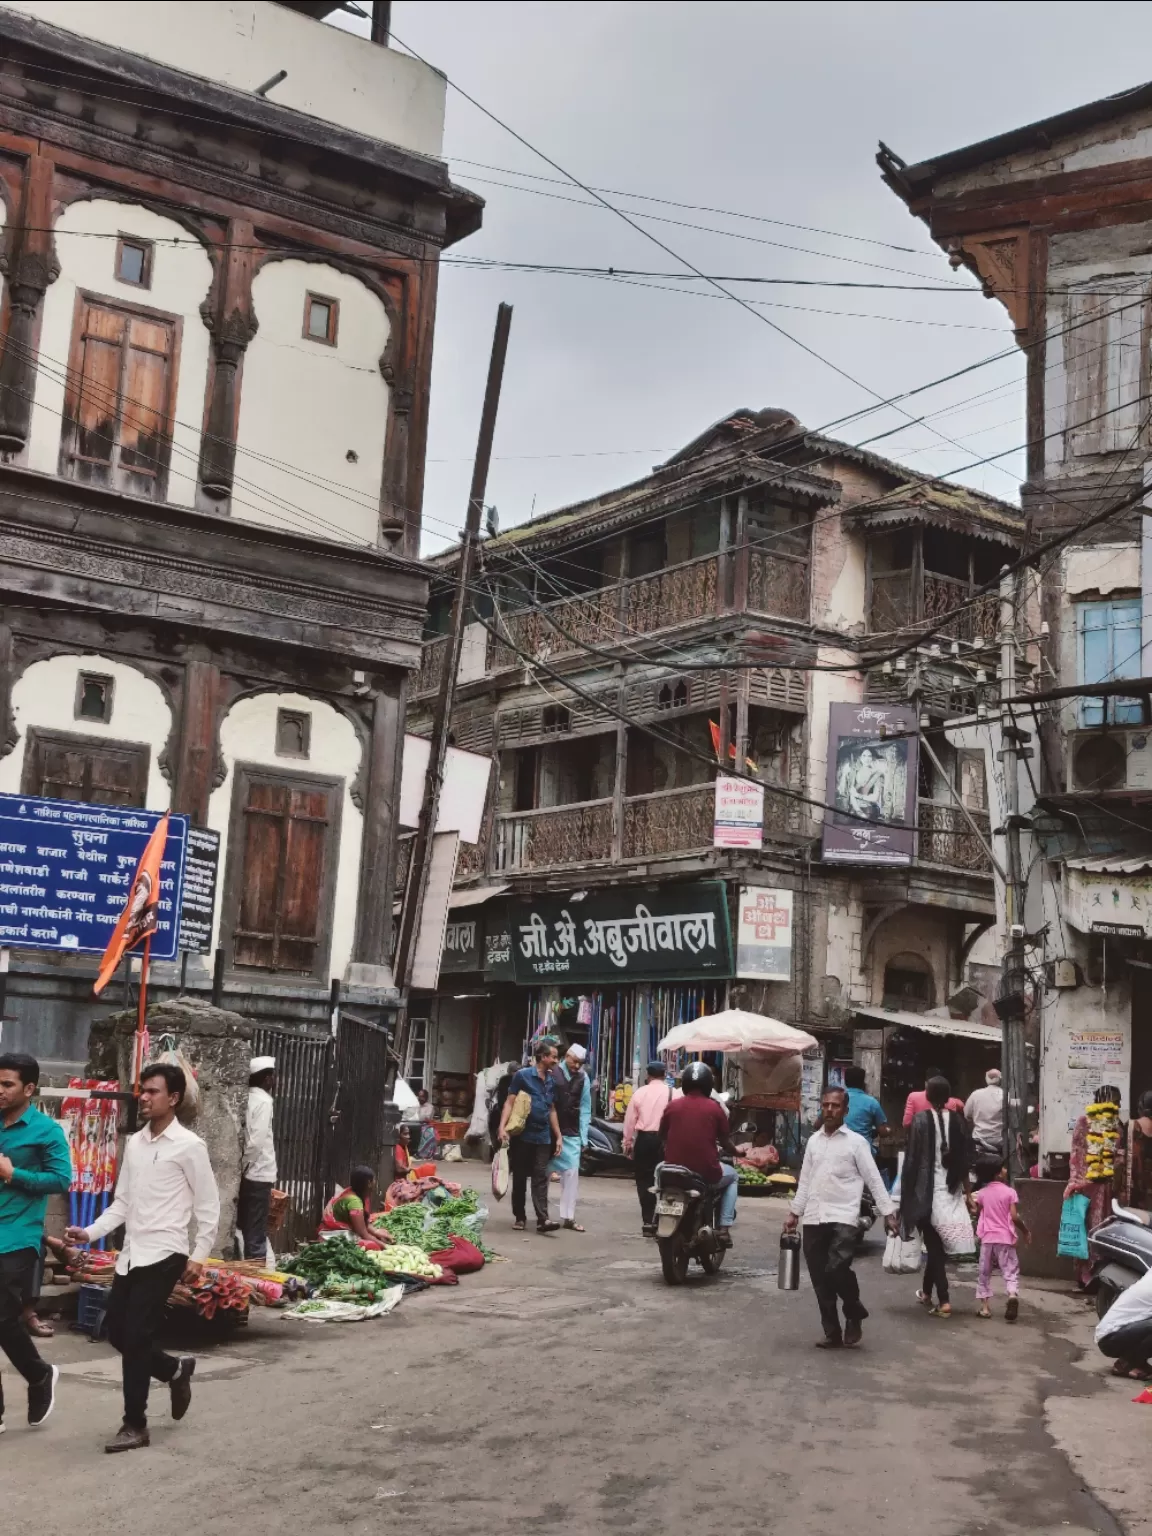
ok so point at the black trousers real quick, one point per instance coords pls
(252, 1217)
(135, 1312)
(829, 1250)
(935, 1270)
(1133, 1343)
(645, 1156)
(528, 1160)
(17, 1276)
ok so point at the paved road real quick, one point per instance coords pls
(570, 1391)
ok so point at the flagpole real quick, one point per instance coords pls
(141, 1010)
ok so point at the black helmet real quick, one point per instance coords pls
(697, 1078)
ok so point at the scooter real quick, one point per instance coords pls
(1121, 1253)
(866, 1219)
(687, 1208)
(605, 1150)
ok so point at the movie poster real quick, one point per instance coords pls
(872, 765)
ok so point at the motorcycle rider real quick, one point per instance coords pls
(692, 1128)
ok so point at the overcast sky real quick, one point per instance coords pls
(765, 110)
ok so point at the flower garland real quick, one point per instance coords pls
(1103, 1135)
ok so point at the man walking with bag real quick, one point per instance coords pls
(573, 1115)
(166, 1184)
(838, 1163)
(34, 1163)
(532, 1100)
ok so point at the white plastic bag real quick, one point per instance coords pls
(500, 1174)
(901, 1255)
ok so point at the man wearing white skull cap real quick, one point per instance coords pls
(574, 1112)
(258, 1175)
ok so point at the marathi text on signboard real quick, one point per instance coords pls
(198, 908)
(66, 869)
(739, 813)
(764, 934)
(872, 763)
(1109, 902)
(498, 962)
(1101, 1051)
(678, 931)
(463, 935)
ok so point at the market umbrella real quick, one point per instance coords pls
(734, 1030)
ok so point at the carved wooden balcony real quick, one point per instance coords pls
(560, 835)
(896, 605)
(946, 837)
(671, 821)
(427, 680)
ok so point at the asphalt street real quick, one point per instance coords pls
(569, 1390)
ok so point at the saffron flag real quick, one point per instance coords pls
(715, 729)
(141, 910)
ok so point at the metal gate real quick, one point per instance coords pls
(300, 1123)
(361, 1125)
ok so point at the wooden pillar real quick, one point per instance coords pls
(196, 755)
(742, 681)
(8, 737)
(373, 944)
(31, 267)
(725, 561)
(743, 556)
(620, 785)
(232, 321)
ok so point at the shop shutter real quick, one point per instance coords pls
(284, 845)
(58, 766)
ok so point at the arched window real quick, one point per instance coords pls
(908, 984)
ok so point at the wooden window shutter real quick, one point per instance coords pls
(58, 766)
(117, 427)
(282, 873)
(1105, 365)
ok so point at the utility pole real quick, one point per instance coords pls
(1012, 1000)
(418, 869)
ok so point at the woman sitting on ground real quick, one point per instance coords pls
(348, 1210)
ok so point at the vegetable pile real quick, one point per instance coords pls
(431, 1228)
(405, 1259)
(752, 1176)
(336, 1259)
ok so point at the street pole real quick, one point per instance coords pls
(1013, 1056)
(421, 862)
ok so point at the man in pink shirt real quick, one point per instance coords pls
(918, 1101)
(642, 1138)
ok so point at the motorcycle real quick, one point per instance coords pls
(686, 1211)
(866, 1219)
(1121, 1253)
(605, 1150)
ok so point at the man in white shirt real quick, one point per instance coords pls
(837, 1165)
(984, 1112)
(1124, 1333)
(166, 1183)
(258, 1178)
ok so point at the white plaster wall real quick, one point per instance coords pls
(1102, 568)
(248, 735)
(1065, 1090)
(45, 695)
(305, 405)
(332, 74)
(181, 277)
(846, 603)
(827, 688)
(844, 950)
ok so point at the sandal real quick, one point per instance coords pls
(925, 1301)
(984, 1312)
(1129, 1372)
(545, 1227)
(519, 1226)
(573, 1226)
(39, 1329)
(944, 1311)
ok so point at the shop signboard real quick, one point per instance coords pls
(738, 820)
(66, 868)
(764, 934)
(1100, 1051)
(1109, 902)
(872, 763)
(463, 940)
(811, 1086)
(671, 932)
(498, 965)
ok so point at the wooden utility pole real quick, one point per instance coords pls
(421, 863)
(1014, 1058)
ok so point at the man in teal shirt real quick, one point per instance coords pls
(34, 1163)
(865, 1115)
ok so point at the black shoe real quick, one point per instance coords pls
(128, 1439)
(42, 1397)
(830, 1341)
(853, 1332)
(547, 1226)
(648, 1229)
(180, 1386)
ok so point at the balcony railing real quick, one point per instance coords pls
(894, 606)
(559, 835)
(431, 665)
(672, 821)
(946, 836)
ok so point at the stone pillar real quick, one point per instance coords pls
(195, 762)
(31, 265)
(218, 1044)
(229, 316)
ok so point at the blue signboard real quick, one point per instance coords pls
(66, 869)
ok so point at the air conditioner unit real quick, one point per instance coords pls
(1110, 759)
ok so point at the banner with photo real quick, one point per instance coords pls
(873, 756)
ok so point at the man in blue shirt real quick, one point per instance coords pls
(530, 1149)
(34, 1163)
(865, 1114)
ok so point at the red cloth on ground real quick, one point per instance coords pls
(463, 1258)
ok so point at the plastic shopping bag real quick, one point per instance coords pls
(500, 1174)
(901, 1255)
(1072, 1240)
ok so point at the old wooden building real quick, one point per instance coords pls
(221, 230)
(714, 612)
(1055, 218)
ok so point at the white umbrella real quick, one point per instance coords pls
(735, 1031)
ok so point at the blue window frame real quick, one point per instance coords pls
(1108, 642)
